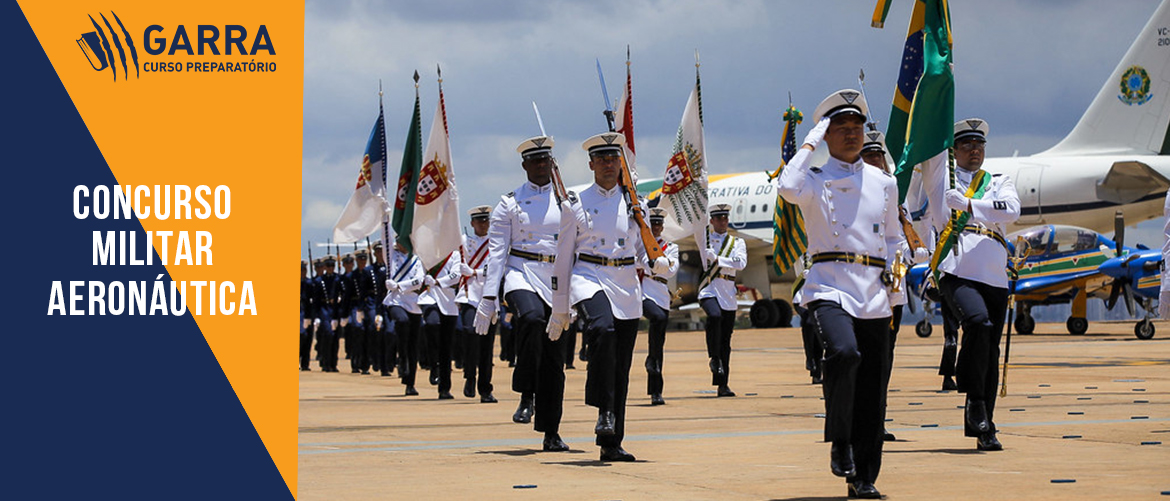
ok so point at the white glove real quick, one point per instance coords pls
(391, 285)
(428, 280)
(921, 255)
(1164, 304)
(466, 270)
(316, 323)
(485, 315)
(333, 325)
(378, 322)
(557, 323)
(306, 323)
(344, 322)
(817, 133)
(955, 200)
(661, 266)
(711, 255)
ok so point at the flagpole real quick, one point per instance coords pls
(385, 186)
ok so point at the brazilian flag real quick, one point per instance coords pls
(922, 119)
(788, 238)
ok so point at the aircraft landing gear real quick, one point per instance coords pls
(922, 328)
(1024, 323)
(1144, 329)
(1077, 325)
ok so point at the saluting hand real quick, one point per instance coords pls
(817, 134)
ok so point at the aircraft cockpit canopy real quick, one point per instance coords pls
(1057, 239)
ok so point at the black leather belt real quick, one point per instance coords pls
(532, 256)
(660, 280)
(848, 257)
(605, 261)
(985, 232)
(726, 276)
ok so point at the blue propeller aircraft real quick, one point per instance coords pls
(1068, 264)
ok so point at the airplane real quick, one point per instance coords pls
(1117, 157)
(1068, 264)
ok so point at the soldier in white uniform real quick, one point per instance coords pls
(1164, 289)
(656, 298)
(851, 216)
(406, 277)
(477, 355)
(521, 251)
(604, 287)
(974, 280)
(439, 312)
(726, 255)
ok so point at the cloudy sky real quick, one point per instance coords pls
(1029, 68)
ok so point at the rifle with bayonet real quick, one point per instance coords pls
(558, 185)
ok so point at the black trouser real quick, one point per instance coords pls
(477, 354)
(389, 342)
(813, 351)
(373, 336)
(569, 342)
(355, 342)
(440, 331)
(980, 309)
(507, 341)
(856, 357)
(895, 322)
(326, 357)
(611, 351)
(540, 364)
(406, 327)
(657, 338)
(306, 346)
(720, 324)
(946, 366)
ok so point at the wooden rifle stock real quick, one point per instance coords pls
(653, 250)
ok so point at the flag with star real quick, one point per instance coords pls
(788, 238)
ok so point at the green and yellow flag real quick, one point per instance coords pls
(403, 221)
(922, 119)
(788, 238)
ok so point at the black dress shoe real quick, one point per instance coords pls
(716, 366)
(656, 399)
(385, 373)
(583, 355)
(605, 427)
(976, 415)
(553, 443)
(988, 442)
(816, 379)
(887, 436)
(523, 414)
(487, 399)
(469, 388)
(305, 369)
(615, 454)
(841, 460)
(949, 384)
(410, 391)
(355, 371)
(446, 395)
(724, 391)
(434, 378)
(366, 371)
(861, 489)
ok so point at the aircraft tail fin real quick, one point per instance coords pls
(1131, 113)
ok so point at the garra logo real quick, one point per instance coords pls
(97, 47)
(100, 52)
(1135, 86)
(432, 181)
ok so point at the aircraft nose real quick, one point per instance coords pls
(1113, 267)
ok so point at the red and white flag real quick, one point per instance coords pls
(684, 185)
(435, 231)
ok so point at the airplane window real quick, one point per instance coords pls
(1072, 239)
(753, 209)
(1037, 238)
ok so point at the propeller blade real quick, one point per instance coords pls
(1128, 299)
(1114, 292)
(1119, 231)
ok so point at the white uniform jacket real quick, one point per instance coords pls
(408, 272)
(849, 208)
(598, 223)
(526, 220)
(655, 287)
(722, 286)
(476, 248)
(980, 257)
(443, 292)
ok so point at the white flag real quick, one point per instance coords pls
(684, 185)
(435, 233)
(364, 211)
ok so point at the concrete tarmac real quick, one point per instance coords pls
(1086, 417)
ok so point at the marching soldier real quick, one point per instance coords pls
(324, 307)
(477, 355)
(439, 313)
(851, 216)
(656, 298)
(363, 313)
(521, 251)
(405, 315)
(381, 342)
(726, 255)
(604, 287)
(345, 306)
(306, 344)
(974, 281)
